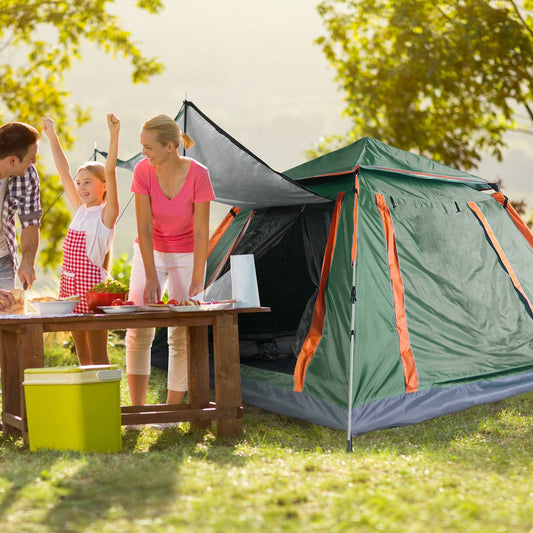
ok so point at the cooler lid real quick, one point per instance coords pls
(72, 374)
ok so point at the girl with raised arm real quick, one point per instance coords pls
(86, 250)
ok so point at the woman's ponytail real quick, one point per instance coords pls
(187, 140)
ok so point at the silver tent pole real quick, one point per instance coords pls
(352, 349)
(349, 443)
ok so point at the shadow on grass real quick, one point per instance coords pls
(114, 486)
(143, 481)
(18, 470)
(75, 490)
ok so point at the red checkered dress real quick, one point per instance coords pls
(79, 273)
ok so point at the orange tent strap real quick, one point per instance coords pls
(225, 260)
(319, 314)
(406, 354)
(355, 209)
(222, 227)
(499, 250)
(515, 217)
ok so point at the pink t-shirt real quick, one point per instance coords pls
(173, 218)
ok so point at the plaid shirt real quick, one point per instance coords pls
(23, 197)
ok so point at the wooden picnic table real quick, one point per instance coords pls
(21, 347)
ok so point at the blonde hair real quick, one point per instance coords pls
(96, 168)
(168, 131)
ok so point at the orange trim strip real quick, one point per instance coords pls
(355, 211)
(222, 227)
(225, 260)
(396, 170)
(499, 250)
(408, 361)
(338, 173)
(319, 314)
(452, 178)
(515, 217)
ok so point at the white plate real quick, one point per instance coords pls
(117, 309)
(201, 307)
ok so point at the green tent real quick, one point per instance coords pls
(400, 288)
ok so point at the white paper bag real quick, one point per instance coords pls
(244, 281)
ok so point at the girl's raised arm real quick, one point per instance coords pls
(112, 206)
(61, 163)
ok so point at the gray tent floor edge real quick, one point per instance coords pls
(420, 406)
(293, 404)
(393, 412)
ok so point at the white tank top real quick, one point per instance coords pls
(98, 237)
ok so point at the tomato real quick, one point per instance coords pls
(173, 302)
(117, 301)
(160, 302)
(129, 302)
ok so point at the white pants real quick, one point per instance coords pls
(174, 269)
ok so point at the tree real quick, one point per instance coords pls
(444, 78)
(39, 41)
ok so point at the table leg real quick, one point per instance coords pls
(227, 372)
(198, 364)
(21, 349)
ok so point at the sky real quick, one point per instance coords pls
(248, 64)
(253, 68)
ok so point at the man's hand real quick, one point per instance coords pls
(6, 300)
(29, 242)
(26, 274)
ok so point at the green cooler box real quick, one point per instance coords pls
(74, 408)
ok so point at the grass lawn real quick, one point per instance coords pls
(468, 472)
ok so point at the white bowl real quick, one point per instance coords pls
(59, 307)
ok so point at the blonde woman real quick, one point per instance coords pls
(172, 201)
(94, 198)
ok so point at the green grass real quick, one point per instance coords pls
(468, 472)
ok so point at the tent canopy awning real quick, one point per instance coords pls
(238, 176)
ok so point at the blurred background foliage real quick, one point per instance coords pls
(39, 41)
(443, 78)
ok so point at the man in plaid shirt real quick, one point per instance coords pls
(19, 195)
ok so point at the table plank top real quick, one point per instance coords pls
(164, 315)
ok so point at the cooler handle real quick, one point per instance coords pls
(109, 375)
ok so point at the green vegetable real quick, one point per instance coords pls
(110, 286)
